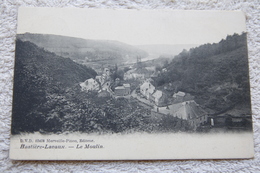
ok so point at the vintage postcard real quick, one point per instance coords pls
(92, 84)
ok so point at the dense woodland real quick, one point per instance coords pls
(216, 74)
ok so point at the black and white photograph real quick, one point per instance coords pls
(130, 85)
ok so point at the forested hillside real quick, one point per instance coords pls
(216, 74)
(39, 74)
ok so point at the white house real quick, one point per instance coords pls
(147, 89)
(100, 79)
(158, 97)
(105, 85)
(90, 85)
(106, 71)
(164, 70)
(178, 94)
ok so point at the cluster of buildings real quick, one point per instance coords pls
(188, 110)
(132, 74)
(103, 82)
(182, 105)
(150, 93)
(90, 85)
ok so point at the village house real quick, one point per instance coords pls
(164, 70)
(105, 76)
(90, 85)
(127, 88)
(128, 75)
(100, 79)
(106, 71)
(181, 97)
(117, 81)
(131, 74)
(158, 97)
(103, 93)
(147, 89)
(122, 90)
(230, 121)
(104, 79)
(188, 110)
(105, 85)
(178, 95)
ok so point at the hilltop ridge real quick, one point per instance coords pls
(84, 50)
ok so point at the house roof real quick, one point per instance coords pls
(185, 110)
(126, 85)
(148, 86)
(181, 94)
(119, 88)
(91, 80)
(99, 78)
(158, 94)
(145, 85)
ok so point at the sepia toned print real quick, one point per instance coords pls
(71, 92)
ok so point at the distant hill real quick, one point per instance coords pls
(37, 75)
(216, 74)
(165, 50)
(85, 50)
(159, 62)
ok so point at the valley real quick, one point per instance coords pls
(71, 84)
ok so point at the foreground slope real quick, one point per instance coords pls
(37, 75)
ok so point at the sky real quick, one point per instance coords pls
(134, 27)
